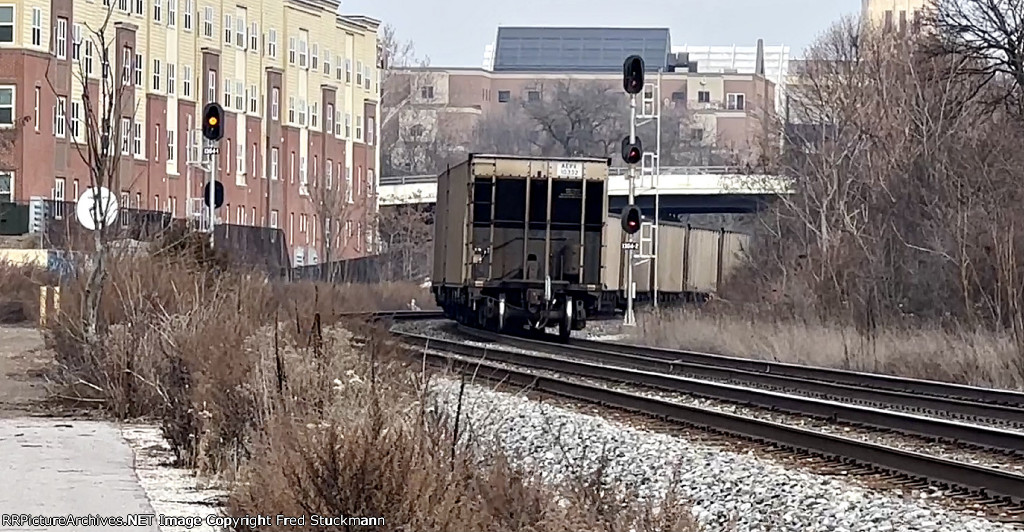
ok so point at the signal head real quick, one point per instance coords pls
(632, 152)
(631, 219)
(213, 121)
(633, 74)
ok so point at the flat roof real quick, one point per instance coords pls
(578, 49)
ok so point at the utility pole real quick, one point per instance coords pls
(632, 153)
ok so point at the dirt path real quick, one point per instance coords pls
(22, 360)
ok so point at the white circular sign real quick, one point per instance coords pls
(96, 208)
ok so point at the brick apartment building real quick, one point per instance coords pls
(299, 84)
(726, 105)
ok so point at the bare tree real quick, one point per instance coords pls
(406, 241)
(106, 107)
(578, 118)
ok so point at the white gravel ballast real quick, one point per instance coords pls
(725, 487)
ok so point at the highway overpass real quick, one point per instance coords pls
(683, 190)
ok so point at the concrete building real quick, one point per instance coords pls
(299, 84)
(527, 63)
(894, 14)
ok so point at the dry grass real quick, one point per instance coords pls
(967, 357)
(19, 291)
(258, 385)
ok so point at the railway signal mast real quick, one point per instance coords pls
(206, 160)
(632, 154)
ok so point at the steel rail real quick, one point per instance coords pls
(401, 315)
(885, 419)
(852, 378)
(611, 354)
(987, 481)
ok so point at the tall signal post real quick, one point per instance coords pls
(632, 153)
(213, 131)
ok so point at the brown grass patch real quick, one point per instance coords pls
(980, 358)
(19, 291)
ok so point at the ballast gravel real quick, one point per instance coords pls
(729, 490)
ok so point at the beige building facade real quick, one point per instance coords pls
(726, 108)
(894, 14)
(299, 84)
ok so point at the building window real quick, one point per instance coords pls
(240, 158)
(303, 48)
(275, 103)
(272, 43)
(329, 118)
(60, 117)
(314, 63)
(302, 170)
(172, 85)
(6, 105)
(703, 96)
(211, 86)
(255, 160)
(253, 100)
(137, 139)
(208, 22)
(229, 29)
(239, 96)
(348, 184)
(35, 112)
(292, 169)
(76, 119)
(254, 38)
(348, 71)
(186, 81)
(273, 164)
(240, 29)
(366, 78)
(359, 128)
(6, 187)
(76, 42)
(62, 38)
(126, 135)
(88, 58)
(736, 101)
(37, 26)
(427, 92)
(126, 66)
(186, 14)
(533, 96)
(157, 13)
(327, 62)
(314, 115)
(7, 24)
(273, 219)
(140, 7)
(292, 50)
(138, 70)
(697, 134)
(337, 123)
(227, 92)
(156, 74)
(504, 96)
(172, 146)
(291, 109)
(370, 128)
(172, 13)
(156, 143)
(359, 74)
(58, 197)
(227, 156)
(329, 174)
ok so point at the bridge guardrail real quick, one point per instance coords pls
(614, 172)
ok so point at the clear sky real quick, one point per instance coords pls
(455, 32)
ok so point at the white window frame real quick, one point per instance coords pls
(157, 66)
(137, 139)
(736, 101)
(172, 147)
(6, 190)
(273, 218)
(348, 71)
(314, 58)
(61, 38)
(186, 15)
(293, 49)
(88, 58)
(359, 73)
(254, 37)
(37, 26)
(275, 104)
(229, 29)
(186, 81)
(127, 58)
(239, 96)
(272, 43)
(314, 115)
(172, 13)
(275, 155)
(126, 136)
(38, 100)
(75, 123)
(172, 85)
(240, 27)
(140, 7)
(254, 100)
(139, 62)
(10, 24)
(208, 29)
(157, 11)
(240, 159)
(60, 117)
(291, 109)
(9, 107)
(211, 85)
(303, 49)
(76, 42)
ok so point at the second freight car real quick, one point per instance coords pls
(519, 241)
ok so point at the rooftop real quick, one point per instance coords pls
(568, 49)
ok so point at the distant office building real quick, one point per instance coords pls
(741, 60)
(892, 14)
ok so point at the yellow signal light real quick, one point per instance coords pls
(213, 120)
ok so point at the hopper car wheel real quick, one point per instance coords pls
(564, 329)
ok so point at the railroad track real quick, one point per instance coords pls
(942, 400)
(396, 315)
(569, 378)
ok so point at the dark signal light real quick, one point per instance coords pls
(213, 121)
(632, 152)
(631, 219)
(633, 74)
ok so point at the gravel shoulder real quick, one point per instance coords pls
(23, 358)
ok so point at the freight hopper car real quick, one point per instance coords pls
(692, 262)
(519, 240)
